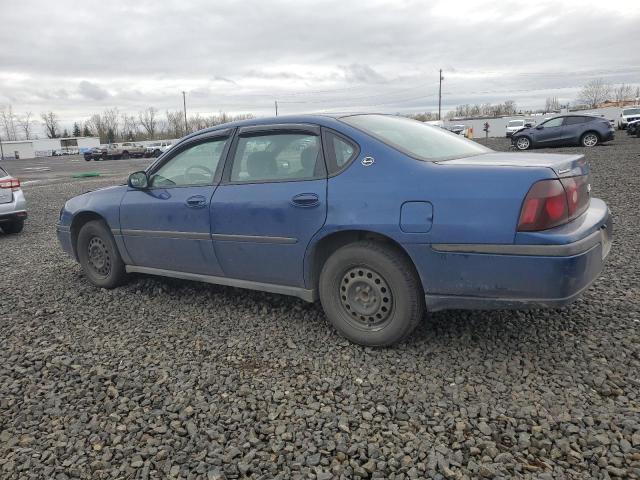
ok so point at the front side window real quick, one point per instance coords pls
(554, 122)
(414, 138)
(196, 165)
(276, 157)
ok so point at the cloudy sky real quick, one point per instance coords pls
(79, 57)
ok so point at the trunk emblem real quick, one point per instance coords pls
(367, 161)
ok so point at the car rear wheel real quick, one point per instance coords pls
(12, 227)
(156, 153)
(125, 155)
(371, 294)
(87, 159)
(589, 139)
(99, 256)
(523, 143)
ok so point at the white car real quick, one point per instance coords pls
(627, 115)
(13, 207)
(516, 125)
(156, 148)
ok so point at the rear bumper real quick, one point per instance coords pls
(515, 276)
(16, 209)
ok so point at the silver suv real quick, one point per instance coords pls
(13, 207)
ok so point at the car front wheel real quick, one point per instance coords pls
(99, 256)
(589, 139)
(523, 143)
(371, 294)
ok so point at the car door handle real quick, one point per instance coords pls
(197, 201)
(306, 200)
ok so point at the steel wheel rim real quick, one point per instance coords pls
(522, 143)
(590, 140)
(98, 257)
(366, 298)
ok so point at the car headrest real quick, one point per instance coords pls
(261, 165)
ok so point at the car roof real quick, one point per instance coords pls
(325, 119)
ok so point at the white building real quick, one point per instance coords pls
(45, 147)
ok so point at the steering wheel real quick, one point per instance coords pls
(207, 171)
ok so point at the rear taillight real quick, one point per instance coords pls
(12, 183)
(550, 203)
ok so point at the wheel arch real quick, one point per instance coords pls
(79, 220)
(323, 247)
(595, 132)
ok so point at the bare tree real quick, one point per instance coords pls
(97, 126)
(51, 124)
(551, 104)
(26, 123)
(175, 123)
(147, 119)
(622, 93)
(594, 93)
(110, 121)
(509, 107)
(129, 127)
(8, 121)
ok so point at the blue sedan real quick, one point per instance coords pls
(380, 217)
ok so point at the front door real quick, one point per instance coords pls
(167, 225)
(271, 201)
(550, 133)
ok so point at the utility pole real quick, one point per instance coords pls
(184, 104)
(440, 97)
(276, 108)
(1, 151)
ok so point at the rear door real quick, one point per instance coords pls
(271, 201)
(6, 195)
(550, 133)
(572, 128)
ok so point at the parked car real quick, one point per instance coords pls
(95, 153)
(633, 128)
(457, 129)
(627, 115)
(240, 204)
(157, 148)
(13, 207)
(585, 130)
(515, 125)
(123, 150)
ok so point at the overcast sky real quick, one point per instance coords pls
(80, 57)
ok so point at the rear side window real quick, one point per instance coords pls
(339, 151)
(277, 157)
(575, 120)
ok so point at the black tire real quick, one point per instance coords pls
(589, 139)
(125, 155)
(99, 256)
(523, 143)
(156, 153)
(371, 294)
(12, 227)
(87, 159)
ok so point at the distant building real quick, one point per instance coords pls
(47, 147)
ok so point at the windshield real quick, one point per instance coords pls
(516, 123)
(424, 142)
(156, 144)
(631, 111)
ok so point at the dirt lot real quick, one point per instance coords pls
(164, 378)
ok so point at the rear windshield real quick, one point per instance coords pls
(631, 111)
(416, 139)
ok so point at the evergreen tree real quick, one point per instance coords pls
(76, 129)
(110, 135)
(86, 132)
(65, 133)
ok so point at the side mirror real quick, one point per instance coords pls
(539, 127)
(138, 180)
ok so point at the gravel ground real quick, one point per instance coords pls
(172, 379)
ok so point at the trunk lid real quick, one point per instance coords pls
(563, 165)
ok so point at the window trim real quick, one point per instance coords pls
(276, 129)
(185, 145)
(330, 156)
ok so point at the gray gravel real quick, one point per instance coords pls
(171, 379)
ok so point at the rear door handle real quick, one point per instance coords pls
(306, 200)
(197, 201)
